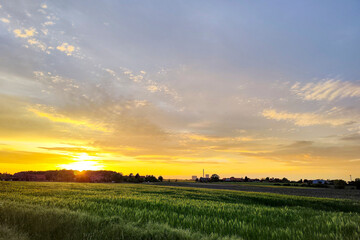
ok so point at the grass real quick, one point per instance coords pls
(140, 211)
(7, 233)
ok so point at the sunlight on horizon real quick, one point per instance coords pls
(83, 162)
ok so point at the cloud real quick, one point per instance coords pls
(24, 157)
(87, 150)
(19, 123)
(66, 48)
(44, 6)
(152, 88)
(56, 117)
(351, 137)
(111, 72)
(307, 119)
(20, 119)
(37, 43)
(24, 33)
(4, 20)
(309, 153)
(150, 85)
(328, 90)
(49, 23)
(45, 31)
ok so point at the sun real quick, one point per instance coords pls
(83, 162)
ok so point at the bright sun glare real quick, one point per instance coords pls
(83, 162)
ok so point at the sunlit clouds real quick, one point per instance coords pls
(66, 48)
(24, 33)
(329, 90)
(4, 20)
(169, 88)
(309, 119)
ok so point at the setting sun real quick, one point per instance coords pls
(82, 162)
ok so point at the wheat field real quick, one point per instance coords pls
(34, 210)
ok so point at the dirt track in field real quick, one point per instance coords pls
(298, 191)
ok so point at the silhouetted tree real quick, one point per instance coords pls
(150, 178)
(117, 177)
(214, 178)
(339, 184)
(82, 177)
(160, 178)
(138, 178)
(357, 183)
(65, 176)
(285, 180)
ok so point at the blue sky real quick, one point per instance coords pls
(171, 86)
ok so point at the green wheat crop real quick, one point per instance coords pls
(138, 211)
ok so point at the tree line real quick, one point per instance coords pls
(78, 176)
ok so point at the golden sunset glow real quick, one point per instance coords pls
(82, 162)
(82, 165)
(214, 92)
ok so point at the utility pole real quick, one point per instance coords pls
(350, 178)
(203, 173)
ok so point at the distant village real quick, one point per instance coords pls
(321, 183)
(104, 176)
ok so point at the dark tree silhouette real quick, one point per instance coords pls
(214, 178)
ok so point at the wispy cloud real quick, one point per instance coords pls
(312, 154)
(56, 117)
(49, 23)
(4, 20)
(352, 137)
(307, 119)
(24, 33)
(329, 90)
(66, 48)
(37, 43)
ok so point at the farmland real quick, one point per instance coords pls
(30, 210)
(267, 188)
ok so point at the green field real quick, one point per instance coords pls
(31, 210)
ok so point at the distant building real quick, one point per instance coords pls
(207, 176)
(319, 181)
(194, 178)
(233, 179)
(202, 179)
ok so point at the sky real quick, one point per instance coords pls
(238, 88)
